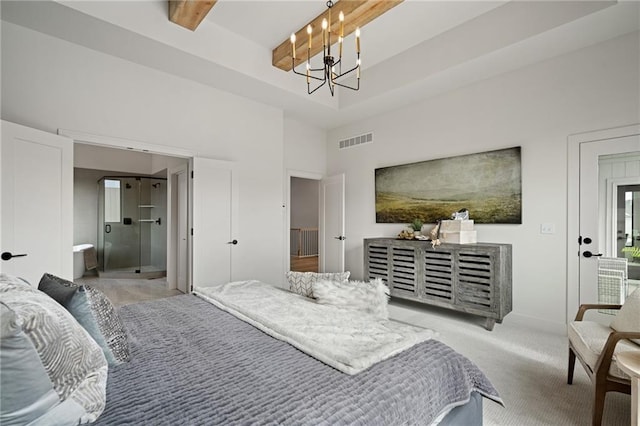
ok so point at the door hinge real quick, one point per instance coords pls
(191, 174)
(192, 232)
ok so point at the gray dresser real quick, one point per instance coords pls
(472, 278)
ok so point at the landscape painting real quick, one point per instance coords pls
(488, 184)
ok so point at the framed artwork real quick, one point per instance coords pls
(488, 184)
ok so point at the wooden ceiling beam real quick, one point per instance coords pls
(189, 13)
(357, 13)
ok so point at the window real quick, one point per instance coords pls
(111, 200)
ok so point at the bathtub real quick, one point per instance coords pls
(78, 259)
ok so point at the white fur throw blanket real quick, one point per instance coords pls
(367, 297)
(342, 338)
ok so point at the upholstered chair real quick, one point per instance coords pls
(595, 345)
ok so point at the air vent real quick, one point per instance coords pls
(356, 140)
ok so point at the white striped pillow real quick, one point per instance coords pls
(56, 372)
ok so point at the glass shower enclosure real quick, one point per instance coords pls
(132, 228)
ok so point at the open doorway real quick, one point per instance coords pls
(304, 222)
(126, 206)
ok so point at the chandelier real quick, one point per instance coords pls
(331, 72)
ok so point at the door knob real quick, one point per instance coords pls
(7, 255)
(341, 238)
(588, 254)
(234, 242)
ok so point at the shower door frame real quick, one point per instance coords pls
(138, 225)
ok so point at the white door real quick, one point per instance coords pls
(182, 221)
(214, 188)
(37, 203)
(602, 163)
(332, 226)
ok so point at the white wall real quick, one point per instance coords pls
(116, 160)
(160, 164)
(97, 157)
(536, 108)
(48, 84)
(304, 147)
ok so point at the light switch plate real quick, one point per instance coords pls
(547, 228)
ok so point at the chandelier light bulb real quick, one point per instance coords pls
(324, 24)
(293, 45)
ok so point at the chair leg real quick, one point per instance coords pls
(598, 405)
(572, 365)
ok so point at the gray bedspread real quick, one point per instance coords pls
(194, 364)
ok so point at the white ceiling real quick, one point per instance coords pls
(417, 49)
(269, 23)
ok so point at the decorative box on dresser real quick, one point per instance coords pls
(473, 278)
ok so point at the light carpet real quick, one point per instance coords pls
(527, 366)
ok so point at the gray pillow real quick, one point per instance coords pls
(95, 312)
(60, 293)
(55, 371)
(302, 282)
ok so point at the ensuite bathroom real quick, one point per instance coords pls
(121, 214)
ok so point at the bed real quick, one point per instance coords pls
(194, 363)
